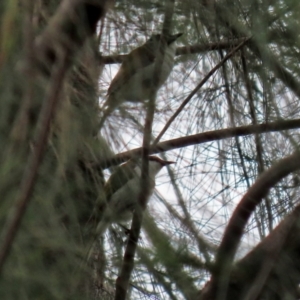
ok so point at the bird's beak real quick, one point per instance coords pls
(166, 162)
(172, 38)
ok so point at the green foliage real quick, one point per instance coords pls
(258, 84)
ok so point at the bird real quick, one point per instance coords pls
(123, 188)
(133, 82)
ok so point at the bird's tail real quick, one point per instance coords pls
(110, 105)
(103, 119)
(100, 230)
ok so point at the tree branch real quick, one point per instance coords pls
(194, 49)
(128, 262)
(195, 90)
(235, 228)
(201, 138)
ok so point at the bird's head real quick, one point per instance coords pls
(156, 164)
(155, 40)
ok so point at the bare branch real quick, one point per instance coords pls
(195, 90)
(201, 138)
(194, 49)
(128, 262)
(234, 230)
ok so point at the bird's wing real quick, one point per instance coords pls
(137, 59)
(117, 179)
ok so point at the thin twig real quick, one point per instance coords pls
(122, 282)
(187, 220)
(164, 249)
(258, 142)
(203, 81)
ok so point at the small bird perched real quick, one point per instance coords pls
(123, 188)
(133, 82)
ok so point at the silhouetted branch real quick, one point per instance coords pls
(196, 89)
(264, 266)
(128, 262)
(235, 228)
(194, 49)
(201, 138)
